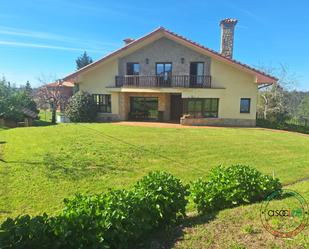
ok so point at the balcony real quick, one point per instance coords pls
(152, 81)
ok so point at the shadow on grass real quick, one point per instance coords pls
(21, 162)
(5, 212)
(167, 239)
(42, 123)
(58, 167)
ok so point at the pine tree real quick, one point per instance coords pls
(83, 60)
(28, 88)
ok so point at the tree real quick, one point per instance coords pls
(28, 88)
(273, 102)
(53, 95)
(83, 60)
(303, 108)
(13, 101)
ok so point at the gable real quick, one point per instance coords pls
(164, 50)
(260, 77)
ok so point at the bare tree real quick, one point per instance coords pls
(53, 95)
(272, 102)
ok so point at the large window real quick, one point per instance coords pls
(144, 108)
(132, 68)
(245, 105)
(202, 108)
(103, 102)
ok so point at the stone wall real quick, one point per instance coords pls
(218, 122)
(164, 50)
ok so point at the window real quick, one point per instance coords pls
(164, 69)
(103, 102)
(132, 68)
(202, 108)
(211, 108)
(245, 105)
(196, 72)
(144, 108)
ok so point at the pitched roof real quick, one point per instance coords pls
(28, 113)
(262, 77)
(64, 83)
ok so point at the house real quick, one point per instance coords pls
(164, 76)
(64, 89)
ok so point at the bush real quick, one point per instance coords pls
(166, 196)
(282, 126)
(122, 217)
(26, 232)
(231, 186)
(81, 108)
(115, 219)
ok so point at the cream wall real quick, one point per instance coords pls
(228, 84)
(99, 79)
(237, 84)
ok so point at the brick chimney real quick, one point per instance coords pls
(227, 37)
(128, 40)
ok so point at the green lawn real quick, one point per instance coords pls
(236, 228)
(40, 166)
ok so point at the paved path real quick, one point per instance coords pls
(178, 126)
(161, 125)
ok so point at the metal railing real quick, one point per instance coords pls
(186, 81)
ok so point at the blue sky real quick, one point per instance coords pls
(44, 37)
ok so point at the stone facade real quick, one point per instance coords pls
(218, 122)
(164, 50)
(227, 37)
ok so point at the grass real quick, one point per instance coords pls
(39, 166)
(239, 227)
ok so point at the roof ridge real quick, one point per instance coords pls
(161, 28)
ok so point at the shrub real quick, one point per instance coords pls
(166, 196)
(282, 126)
(81, 108)
(26, 232)
(115, 217)
(231, 186)
(121, 218)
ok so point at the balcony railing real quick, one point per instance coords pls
(187, 81)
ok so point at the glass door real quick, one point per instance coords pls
(144, 108)
(164, 74)
(196, 73)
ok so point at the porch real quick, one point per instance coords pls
(164, 107)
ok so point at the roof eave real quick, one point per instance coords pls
(261, 77)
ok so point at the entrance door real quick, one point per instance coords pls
(176, 107)
(143, 108)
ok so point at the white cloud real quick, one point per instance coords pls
(45, 46)
(67, 41)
